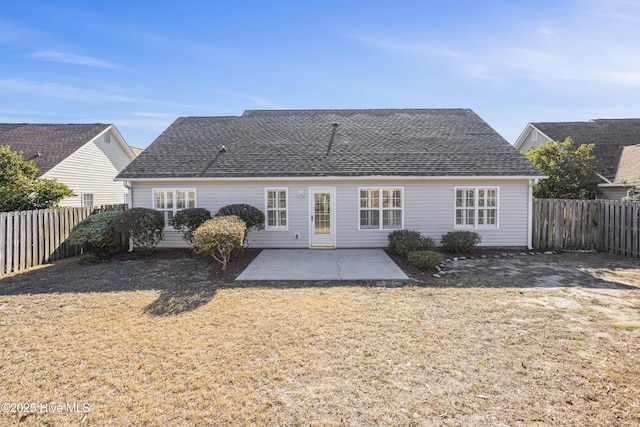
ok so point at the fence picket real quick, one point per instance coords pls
(604, 225)
(32, 238)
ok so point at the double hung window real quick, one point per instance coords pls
(476, 207)
(170, 201)
(380, 208)
(276, 207)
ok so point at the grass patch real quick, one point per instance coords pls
(157, 348)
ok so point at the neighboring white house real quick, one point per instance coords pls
(85, 157)
(341, 178)
(616, 146)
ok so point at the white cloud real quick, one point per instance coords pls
(71, 58)
(591, 43)
(57, 91)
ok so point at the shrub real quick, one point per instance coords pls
(252, 216)
(401, 242)
(425, 260)
(460, 241)
(187, 220)
(143, 226)
(96, 233)
(218, 237)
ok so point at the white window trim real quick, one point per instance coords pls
(380, 208)
(267, 227)
(534, 135)
(175, 209)
(476, 208)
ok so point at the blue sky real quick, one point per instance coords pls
(141, 64)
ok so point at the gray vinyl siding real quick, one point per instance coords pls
(92, 169)
(614, 193)
(528, 140)
(428, 206)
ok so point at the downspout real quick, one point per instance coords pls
(129, 205)
(532, 182)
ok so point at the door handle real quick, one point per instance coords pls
(312, 218)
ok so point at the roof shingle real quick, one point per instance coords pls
(53, 142)
(609, 136)
(301, 143)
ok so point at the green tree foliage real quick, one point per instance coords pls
(187, 220)
(218, 237)
(572, 170)
(20, 187)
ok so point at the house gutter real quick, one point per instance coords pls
(335, 178)
(129, 204)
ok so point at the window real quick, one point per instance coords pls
(171, 201)
(276, 209)
(107, 138)
(476, 207)
(377, 203)
(534, 135)
(87, 199)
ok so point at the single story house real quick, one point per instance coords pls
(341, 178)
(616, 146)
(85, 157)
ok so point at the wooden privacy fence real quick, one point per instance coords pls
(603, 225)
(32, 238)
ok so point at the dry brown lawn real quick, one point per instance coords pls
(312, 355)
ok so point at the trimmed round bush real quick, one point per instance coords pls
(187, 220)
(142, 225)
(425, 260)
(460, 241)
(252, 216)
(218, 237)
(401, 242)
(96, 233)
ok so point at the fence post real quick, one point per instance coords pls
(3, 241)
(635, 235)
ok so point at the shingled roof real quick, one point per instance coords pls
(609, 136)
(47, 144)
(313, 143)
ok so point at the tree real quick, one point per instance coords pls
(20, 187)
(572, 170)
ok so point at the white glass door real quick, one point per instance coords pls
(322, 209)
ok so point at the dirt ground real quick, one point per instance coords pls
(169, 339)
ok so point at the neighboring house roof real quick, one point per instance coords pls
(629, 166)
(48, 144)
(136, 150)
(609, 136)
(315, 143)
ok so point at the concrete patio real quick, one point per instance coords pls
(317, 264)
